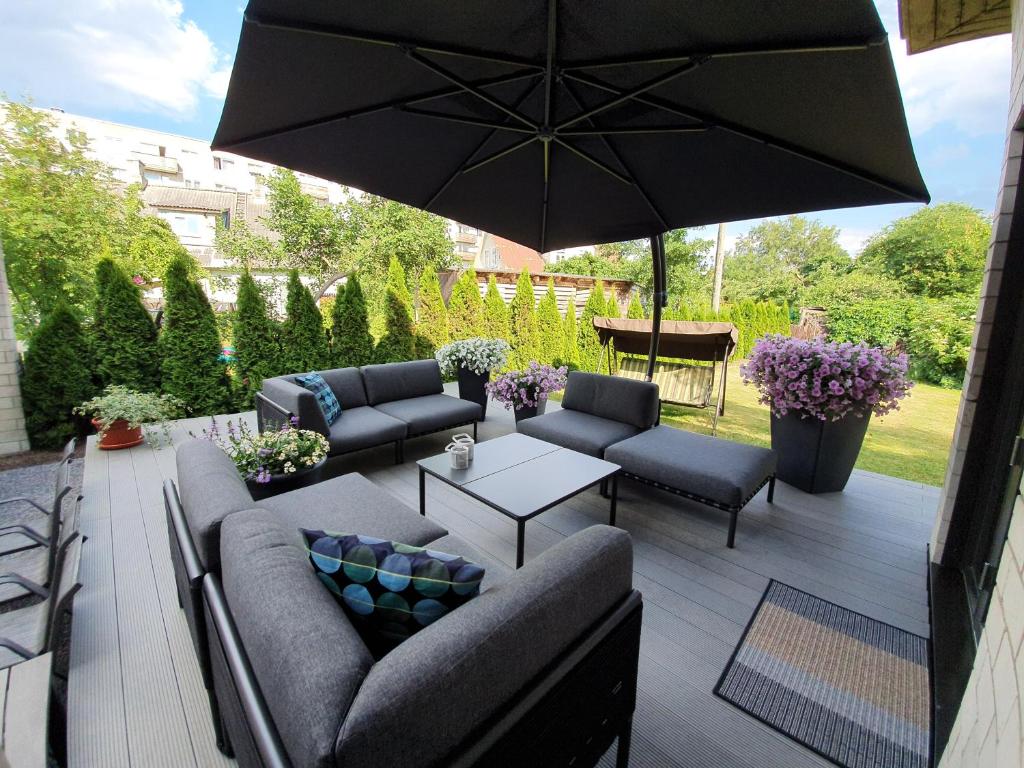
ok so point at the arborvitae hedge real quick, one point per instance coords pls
(351, 342)
(611, 310)
(303, 341)
(432, 322)
(124, 335)
(496, 323)
(57, 377)
(398, 343)
(466, 308)
(549, 321)
(256, 338)
(525, 336)
(570, 337)
(190, 346)
(590, 345)
(636, 309)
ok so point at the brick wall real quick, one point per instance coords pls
(12, 419)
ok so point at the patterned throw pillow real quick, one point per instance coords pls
(390, 590)
(325, 398)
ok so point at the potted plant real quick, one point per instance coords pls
(526, 392)
(472, 361)
(120, 414)
(822, 395)
(271, 461)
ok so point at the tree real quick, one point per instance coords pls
(241, 246)
(688, 267)
(398, 342)
(591, 265)
(495, 313)
(351, 342)
(589, 344)
(549, 322)
(570, 339)
(256, 338)
(57, 378)
(525, 335)
(124, 336)
(835, 289)
(466, 308)
(636, 309)
(303, 342)
(190, 345)
(936, 252)
(432, 321)
(611, 310)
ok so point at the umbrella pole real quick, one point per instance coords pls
(659, 300)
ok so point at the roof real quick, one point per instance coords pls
(185, 199)
(930, 24)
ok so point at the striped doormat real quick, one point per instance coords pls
(855, 690)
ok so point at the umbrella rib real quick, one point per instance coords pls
(749, 133)
(605, 131)
(594, 161)
(499, 154)
(466, 120)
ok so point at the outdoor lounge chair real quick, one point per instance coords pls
(42, 529)
(33, 571)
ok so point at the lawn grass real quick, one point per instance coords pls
(911, 443)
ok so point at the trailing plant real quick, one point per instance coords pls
(398, 343)
(549, 322)
(432, 320)
(139, 409)
(478, 355)
(496, 323)
(256, 339)
(466, 308)
(351, 342)
(529, 387)
(124, 335)
(524, 335)
(261, 456)
(303, 341)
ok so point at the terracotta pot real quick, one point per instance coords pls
(119, 435)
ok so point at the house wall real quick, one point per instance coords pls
(13, 437)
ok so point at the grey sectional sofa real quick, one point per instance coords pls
(380, 404)
(539, 669)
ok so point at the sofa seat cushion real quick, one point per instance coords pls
(329, 405)
(715, 469)
(390, 590)
(363, 427)
(495, 571)
(577, 430)
(431, 412)
(351, 503)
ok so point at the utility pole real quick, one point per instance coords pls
(716, 294)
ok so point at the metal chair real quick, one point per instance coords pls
(47, 520)
(34, 571)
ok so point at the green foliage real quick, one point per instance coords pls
(256, 339)
(940, 338)
(190, 346)
(589, 344)
(466, 308)
(123, 334)
(549, 323)
(591, 265)
(570, 337)
(303, 341)
(351, 342)
(937, 251)
(57, 378)
(242, 247)
(496, 322)
(832, 288)
(611, 310)
(879, 322)
(398, 343)
(432, 322)
(524, 331)
(636, 309)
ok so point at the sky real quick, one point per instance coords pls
(165, 64)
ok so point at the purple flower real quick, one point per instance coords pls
(293, 420)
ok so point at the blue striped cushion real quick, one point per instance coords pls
(325, 398)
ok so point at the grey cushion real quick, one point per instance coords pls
(496, 572)
(351, 504)
(577, 430)
(210, 489)
(308, 659)
(428, 695)
(283, 391)
(363, 427)
(347, 385)
(396, 381)
(716, 469)
(626, 400)
(431, 412)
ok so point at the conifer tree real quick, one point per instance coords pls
(570, 336)
(432, 321)
(549, 323)
(590, 345)
(303, 341)
(466, 308)
(612, 311)
(496, 323)
(636, 309)
(124, 335)
(398, 343)
(56, 378)
(256, 337)
(785, 323)
(190, 345)
(351, 341)
(525, 336)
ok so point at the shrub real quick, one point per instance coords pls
(432, 322)
(303, 341)
(549, 323)
(351, 342)
(496, 325)
(589, 344)
(570, 337)
(466, 308)
(256, 339)
(940, 340)
(398, 343)
(636, 309)
(190, 346)
(523, 331)
(124, 335)
(879, 323)
(56, 378)
(611, 310)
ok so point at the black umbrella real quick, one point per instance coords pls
(565, 122)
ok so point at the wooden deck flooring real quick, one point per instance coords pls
(136, 698)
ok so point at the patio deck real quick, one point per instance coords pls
(135, 695)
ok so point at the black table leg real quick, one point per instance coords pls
(520, 541)
(615, 499)
(423, 492)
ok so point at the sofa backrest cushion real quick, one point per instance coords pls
(610, 397)
(307, 658)
(347, 385)
(398, 381)
(210, 489)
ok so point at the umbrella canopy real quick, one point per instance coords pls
(564, 122)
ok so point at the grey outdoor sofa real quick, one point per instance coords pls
(381, 404)
(538, 669)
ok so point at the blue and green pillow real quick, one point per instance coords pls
(390, 590)
(325, 396)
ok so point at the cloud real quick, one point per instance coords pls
(126, 55)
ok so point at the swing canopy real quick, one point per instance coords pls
(685, 339)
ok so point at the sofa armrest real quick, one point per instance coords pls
(298, 400)
(438, 687)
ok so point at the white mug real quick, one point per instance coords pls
(464, 439)
(460, 455)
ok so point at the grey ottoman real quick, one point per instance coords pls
(718, 472)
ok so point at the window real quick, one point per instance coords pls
(492, 259)
(185, 224)
(222, 163)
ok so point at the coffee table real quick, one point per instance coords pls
(520, 477)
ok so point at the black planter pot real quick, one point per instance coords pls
(282, 483)
(530, 412)
(817, 456)
(471, 387)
